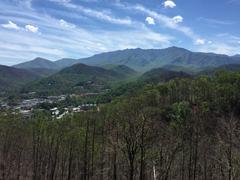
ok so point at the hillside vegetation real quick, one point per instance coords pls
(80, 78)
(12, 78)
(182, 129)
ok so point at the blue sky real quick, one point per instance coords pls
(56, 29)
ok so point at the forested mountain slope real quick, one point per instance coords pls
(11, 78)
(77, 78)
(182, 129)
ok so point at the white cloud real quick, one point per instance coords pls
(65, 24)
(11, 25)
(31, 28)
(150, 20)
(210, 42)
(238, 42)
(169, 4)
(177, 19)
(200, 41)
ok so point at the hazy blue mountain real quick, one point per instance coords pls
(12, 78)
(65, 62)
(143, 60)
(38, 63)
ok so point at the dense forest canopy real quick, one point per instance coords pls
(187, 128)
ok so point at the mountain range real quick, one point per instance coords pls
(141, 59)
(103, 70)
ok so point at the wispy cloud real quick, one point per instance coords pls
(65, 24)
(220, 48)
(102, 15)
(223, 43)
(169, 22)
(66, 33)
(11, 25)
(60, 38)
(216, 21)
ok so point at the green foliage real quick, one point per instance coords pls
(79, 78)
(12, 78)
(184, 128)
(162, 75)
(179, 114)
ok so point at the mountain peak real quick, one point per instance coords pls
(40, 59)
(37, 63)
(177, 48)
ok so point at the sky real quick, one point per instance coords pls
(56, 29)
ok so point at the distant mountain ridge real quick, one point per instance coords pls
(144, 60)
(65, 62)
(37, 63)
(141, 59)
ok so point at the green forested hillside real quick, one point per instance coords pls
(121, 69)
(162, 75)
(182, 129)
(12, 78)
(79, 78)
(41, 72)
